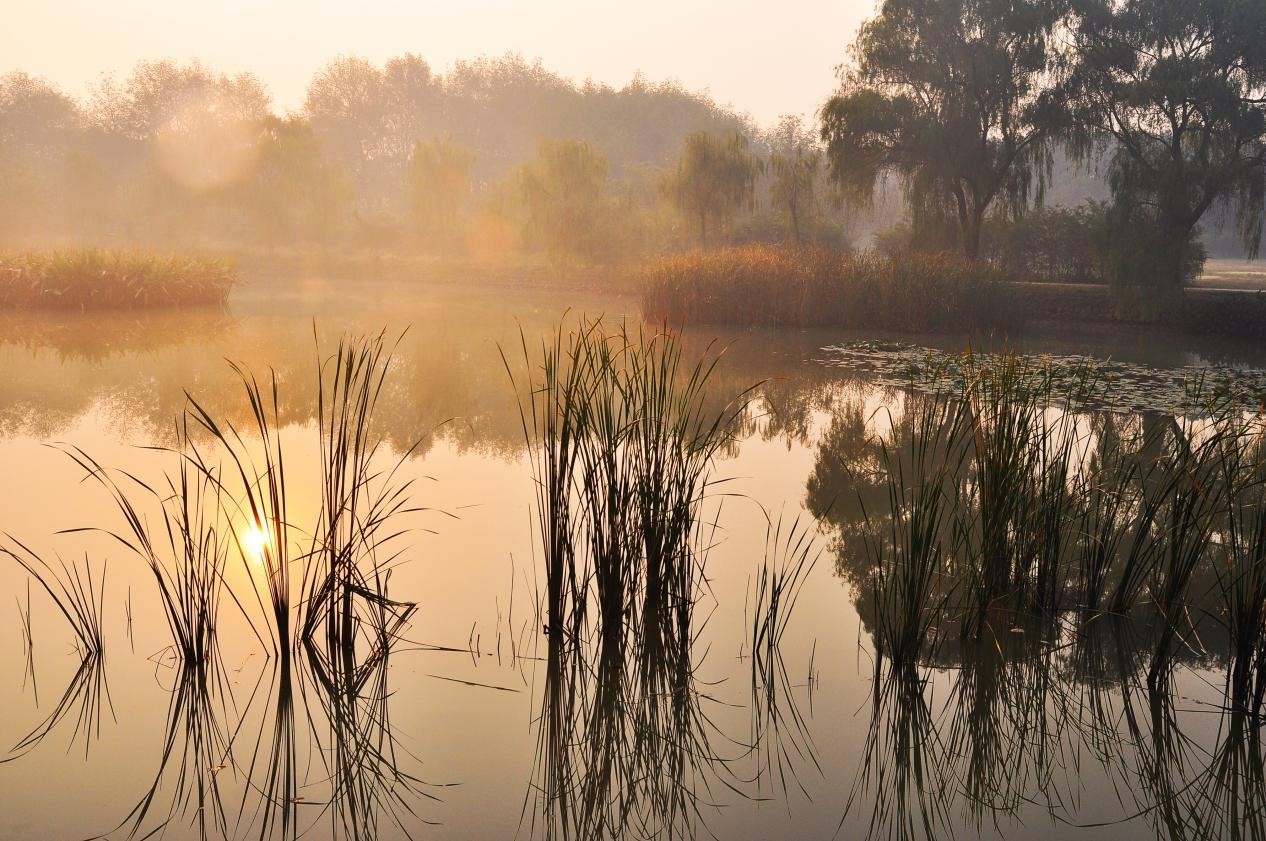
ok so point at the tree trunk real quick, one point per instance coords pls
(703, 229)
(795, 223)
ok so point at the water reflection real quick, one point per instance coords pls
(671, 716)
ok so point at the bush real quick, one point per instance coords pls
(92, 279)
(1050, 244)
(814, 287)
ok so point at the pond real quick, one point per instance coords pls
(470, 724)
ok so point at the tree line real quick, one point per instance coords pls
(496, 155)
(965, 103)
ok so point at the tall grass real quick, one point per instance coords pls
(622, 432)
(188, 554)
(781, 739)
(1016, 503)
(773, 286)
(74, 591)
(91, 279)
(79, 596)
(345, 577)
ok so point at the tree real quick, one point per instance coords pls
(564, 195)
(957, 99)
(368, 119)
(714, 178)
(439, 181)
(1180, 86)
(39, 129)
(795, 162)
(294, 192)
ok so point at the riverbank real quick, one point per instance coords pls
(764, 286)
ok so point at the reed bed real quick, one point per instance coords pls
(96, 280)
(1017, 506)
(773, 286)
(622, 433)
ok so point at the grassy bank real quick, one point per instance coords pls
(770, 286)
(93, 280)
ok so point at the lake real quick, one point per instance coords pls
(446, 737)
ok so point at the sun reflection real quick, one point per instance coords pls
(254, 542)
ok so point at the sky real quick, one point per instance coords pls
(765, 59)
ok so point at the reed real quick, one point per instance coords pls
(622, 432)
(74, 591)
(775, 286)
(258, 505)
(188, 553)
(91, 280)
(910, 559)
(345, 578)
(1015, 498)
(781, 739)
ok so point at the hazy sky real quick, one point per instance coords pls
(764, 58)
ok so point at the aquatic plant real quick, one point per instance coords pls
(781, 740)
(91, 279)
(188, 554)
(773, 286)
(622, 433)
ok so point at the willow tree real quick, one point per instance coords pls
(715, 177)
(957, 99)
(795, 162)
(439, 181)
(563, 192)
(1180, 86)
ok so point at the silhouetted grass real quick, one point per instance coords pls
(780, 733)
(1014, 502)
(774, 286)
(622, 433)
(187, 555)
(91, 280)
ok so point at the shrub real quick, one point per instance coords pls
(94, 279)
(770, 286)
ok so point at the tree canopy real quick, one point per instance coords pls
(1179, 87)
(955, 97)
(715, 177)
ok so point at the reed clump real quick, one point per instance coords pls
(93, 279)
(622, 433)
(771, 286)
(1017, 506)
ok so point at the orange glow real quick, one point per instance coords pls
(255, 544)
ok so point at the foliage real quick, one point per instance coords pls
(439, 182)
(796, 164)
(1180, 87)
(956, 99)
(714, 178)
(1051, 244)
(112, 280)
(769, 286)
(564, 196)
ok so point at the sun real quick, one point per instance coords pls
(255, 543)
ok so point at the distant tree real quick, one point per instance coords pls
(161, 95)
(439, 181)
(954, 97)
(39, 131)
(1180, 86)
(715, 177)
(295, 193)
(795, 162)
(564, 197)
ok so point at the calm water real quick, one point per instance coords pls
(1025, 744)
